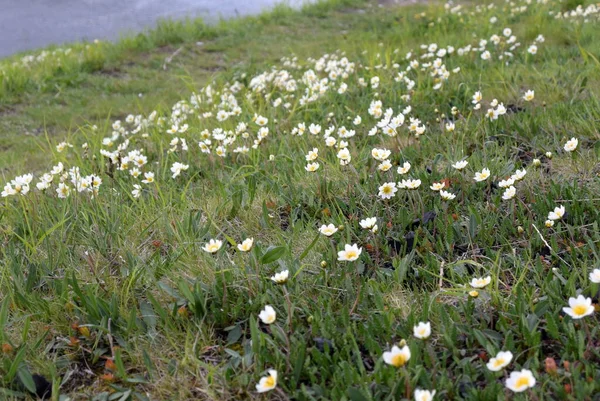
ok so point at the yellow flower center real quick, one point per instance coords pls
(580, 310)
(351, 254)
(522, 382)
(387, 190)
(398, 360)
(270, 382)
(498, 362)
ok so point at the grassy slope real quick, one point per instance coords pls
(133, 272)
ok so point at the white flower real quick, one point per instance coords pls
(387, 190)
(350, 253)
(368, 223)
(459, 165)
(380, 154)
(267, 383)
(549, 223)
(506, 183)
(422, 330)
(213, 245)
(509, 193)
(281, 277)
(148, 178)
(261, 121)
(246, 245)
(480, 282)
(557, 214)
(482, 176)
(177, 168)
(328, 230)
(344, 156)
(571, 145)
(437, 186)
(579, 307)
(397, 356)
(528, 96)
(520, 381)
(137, 191)
(424, 395)
(404, 168)
(519, 175)
(384, 165)
(312, 155)
(500, 361)
(595, 276)
(409, 184)
(267, 315)
(312, 167)
(63, 190)
(447, 195)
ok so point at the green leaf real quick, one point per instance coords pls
(272, 254)
(26, 378)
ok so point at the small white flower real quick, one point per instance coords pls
(437, 186)
(281, 277)
(246, 245)
(388, 190)
(460, 164)
(213, 245)
(447, 195)
(424, 395)
(267, 383)
(557, 214)
(368, 223)
(482, 176)
(520, 381)
(422, 330)
(528, 96)
(267, 315)
(481, 282)
(328, 230)
(595, 276)
(571, 145)
(509, 193)
(500, 361)
(405, 168)
(397, 356)
(350, 253)
(579, 307)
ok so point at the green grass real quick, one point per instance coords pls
(111, 296)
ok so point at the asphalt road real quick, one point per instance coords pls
(31, 24)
